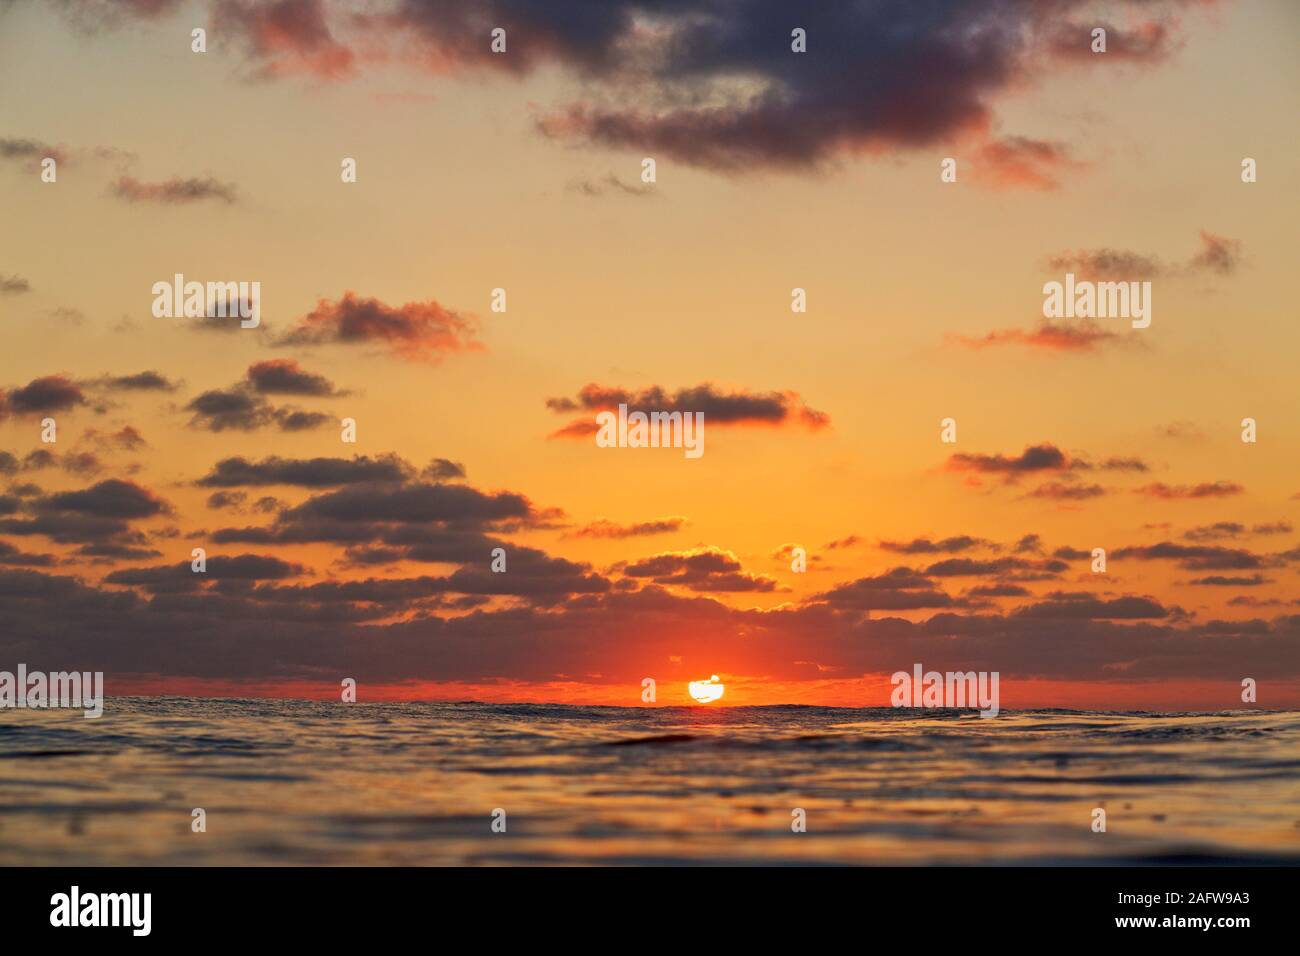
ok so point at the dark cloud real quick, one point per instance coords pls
(998, 591)
(305, 472)
(1273, 527)
(877, 78)
(50, 393)
(272, 631)
(846, 542)
(1081, 605)
(443, 469)
(414, 503)
(1193, 557)
(969, 567)
(287, 377)
(1035, 458)
(714, 83)
(238, 408)
(14, 285)
(1219, 580)
(604, 528)
(1107, 264)
(1211, 489)
(183, 577)
(953, 545)
(719, 407)
(113, 498)
(226, 500)
(1216, 532)
(1029, 544)
(899, 589)
(82, 463)
(12, 557)
(423, 331)
(29, 152)
(1064, 491)
(1217, 255)
(1149, 41)
(701, 569)
(139, 382)
(173, 192)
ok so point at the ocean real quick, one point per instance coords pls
(301, 782)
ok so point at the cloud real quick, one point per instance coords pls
(715, 83)
(1084, 606)
(287, 377)
(604, 528)
(1107, 264)
(94, 15)
(1216, 532)
(612, 185)
(1212, 489)
(173, 191)
(238, 408)
(1063, 491)
(1037, 569)
(1022, 162)
(775, 409)
(1083, 336)
(953, 545)
(1218, 255)
(50, 393)
(1183, 431)
(1147, 42)
(1193, 557)
(417, 502)
(305, 472)
(285, 37)
(227, 500)
(1219, 580)
(183, 577)
(699, 569)
(1035, 458)
(443, 469)
(150, 381)
(715, 88)
(82, 463)
(12, 557)
(113, 498)
(30, 152)
(14, 285)
(896, 590)
(417, 331)
(1273, 527)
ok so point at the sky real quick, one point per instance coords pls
(774, 170)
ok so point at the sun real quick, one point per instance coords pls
(707, 691)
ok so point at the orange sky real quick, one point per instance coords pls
(775, 170)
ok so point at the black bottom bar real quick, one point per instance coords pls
(729, 906)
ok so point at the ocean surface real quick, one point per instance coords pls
(297, 782)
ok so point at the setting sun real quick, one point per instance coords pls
(707, 691)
